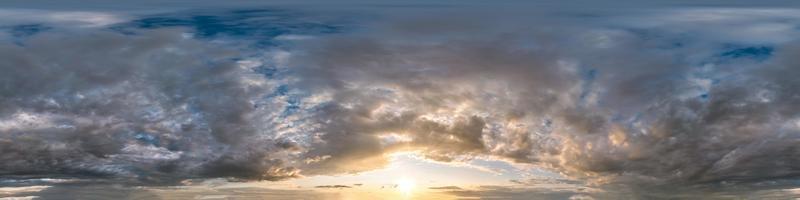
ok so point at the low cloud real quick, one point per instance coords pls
(95, 191)
(333, 186)
(501, 192)
(445, 188)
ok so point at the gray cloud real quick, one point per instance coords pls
(153, 105)
(445, 188)
(500, 192)
(601, 104)
(95, 191)
(333, 186)
(614, 104)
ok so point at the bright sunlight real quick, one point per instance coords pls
(405, 186)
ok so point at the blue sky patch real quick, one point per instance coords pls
(755, 52)
(259, 25)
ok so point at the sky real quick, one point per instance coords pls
(245, 99)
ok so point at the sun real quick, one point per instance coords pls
(405, 186)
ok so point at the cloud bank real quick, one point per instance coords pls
(690, 97)
(663, 105)
(151, 105)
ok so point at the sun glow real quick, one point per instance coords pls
(405, 186)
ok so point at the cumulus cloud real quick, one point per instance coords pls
(601, 104)
(154, 105)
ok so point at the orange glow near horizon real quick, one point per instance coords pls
(408, 176)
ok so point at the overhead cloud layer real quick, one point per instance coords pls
(596, 103)
(702, 98)
(142, 106)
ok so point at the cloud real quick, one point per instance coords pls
(9, 192)
(94, 191)
(601, 104)
(500, 192)
(86, 19)
(547, 181)
(617, 105)
(333, 186)
(149, 106)
(445, 188)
